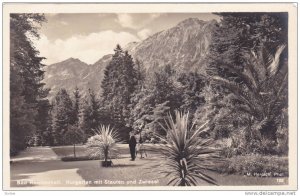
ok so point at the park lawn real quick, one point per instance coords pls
(124, 172)
(66, 151)
(142, 172)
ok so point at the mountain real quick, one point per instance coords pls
(95, 73)
(183, 47)
(66, 74)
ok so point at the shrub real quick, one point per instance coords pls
(82, 158)
(283, 143)
(251, 164)
(103, 143)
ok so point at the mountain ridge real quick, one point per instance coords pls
(183, 46)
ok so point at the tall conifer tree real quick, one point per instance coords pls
(90, 114)
(25, 79)
(118, 85)
(62, 116)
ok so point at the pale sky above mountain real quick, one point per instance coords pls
(90, 36)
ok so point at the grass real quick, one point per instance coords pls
(124, 170)
(67, 151)
(124, 173)
(131, 173)
(238, 165)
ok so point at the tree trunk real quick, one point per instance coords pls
(74, 151)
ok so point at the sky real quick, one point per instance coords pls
(88, 37)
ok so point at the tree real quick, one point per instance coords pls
(262, 96)
(118, 85)
(192, 84)
(43, 123)
(111, 83)
(140, 74)
(157, 117)
(90, 117)
(158, 96)
(138, 94)
(73, 136)
(25, 78)
(62, 116)
(76, 105)
(248, 67)
(239, 33)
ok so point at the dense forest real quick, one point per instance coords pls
(242, 95)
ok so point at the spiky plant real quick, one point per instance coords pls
(185, 155)
(103, 143)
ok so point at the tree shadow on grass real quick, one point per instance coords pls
(123, 165)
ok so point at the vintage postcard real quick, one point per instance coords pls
(166, 96)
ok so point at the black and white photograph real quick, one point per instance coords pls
(150, 99)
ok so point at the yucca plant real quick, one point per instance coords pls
(103, 143)
(186, 156)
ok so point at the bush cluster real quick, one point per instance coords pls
(255, 164)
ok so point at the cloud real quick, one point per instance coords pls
(144, 33)
(64, 23)
(155, 15)
(51, 14)
(89, 48)
(126, 20)
(136, 21)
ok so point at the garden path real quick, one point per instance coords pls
(40, 167)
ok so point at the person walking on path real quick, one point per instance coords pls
(132, 144)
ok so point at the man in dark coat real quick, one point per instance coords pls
(132, 144)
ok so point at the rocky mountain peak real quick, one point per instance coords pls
(190, 22)
(183, 46)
